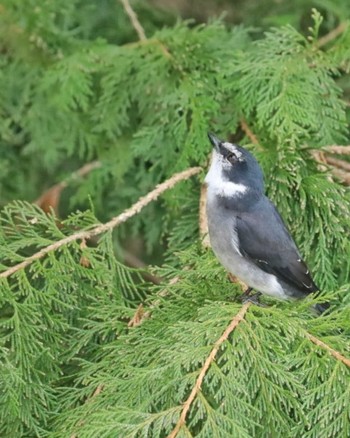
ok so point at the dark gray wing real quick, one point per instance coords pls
(264, 238)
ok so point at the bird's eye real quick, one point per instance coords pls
(231, 157)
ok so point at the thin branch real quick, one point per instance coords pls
(197, 387)
(324, 165)
(249, 133)
(203, 220)
(343, 176)
(121, 218)
(330, 350)
(84, 170)
(332, 35)
(50, 198)
(336, 149)
(134, 20)
(340, 164)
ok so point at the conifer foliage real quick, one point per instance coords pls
(88, 347)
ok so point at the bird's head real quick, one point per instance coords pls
(234, 171)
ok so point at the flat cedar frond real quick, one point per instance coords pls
(87, 347)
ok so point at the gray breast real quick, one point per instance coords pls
(224, 242)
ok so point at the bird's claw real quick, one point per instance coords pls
(254, 299)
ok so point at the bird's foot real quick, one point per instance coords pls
(247, 292)
(254, 299)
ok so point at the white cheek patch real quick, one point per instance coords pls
(218, 183)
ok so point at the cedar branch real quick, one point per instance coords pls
(134, 20)
(117, 220)
(195, 390)
(330, 350)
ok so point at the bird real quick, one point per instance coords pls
(246, 231)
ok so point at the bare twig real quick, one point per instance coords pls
(336, 149)
(84, 170)
(332, 35)
(330, 350)
(343, 176)
(341, 164)
(123, 217)
(134, 20)
(325, 164)
(50, 198)
(203, 220)
(197, 386)
(249, 133)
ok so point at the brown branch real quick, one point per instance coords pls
(336, 149)
(203, 220)
(249, 133)
(50, 198)
(330, 350)
(123, 217)
(341, 164)
(324, 165)
(134, 20)
(343, 176)
(84, 170)
(197, 387)
(332, 34)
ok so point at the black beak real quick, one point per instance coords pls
(216, 142)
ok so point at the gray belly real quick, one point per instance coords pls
(223, 239)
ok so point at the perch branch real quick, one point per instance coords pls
(330, 350)
(134, 20)
(117, 220)
(195, 390)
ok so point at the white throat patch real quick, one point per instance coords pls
(216, 181)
